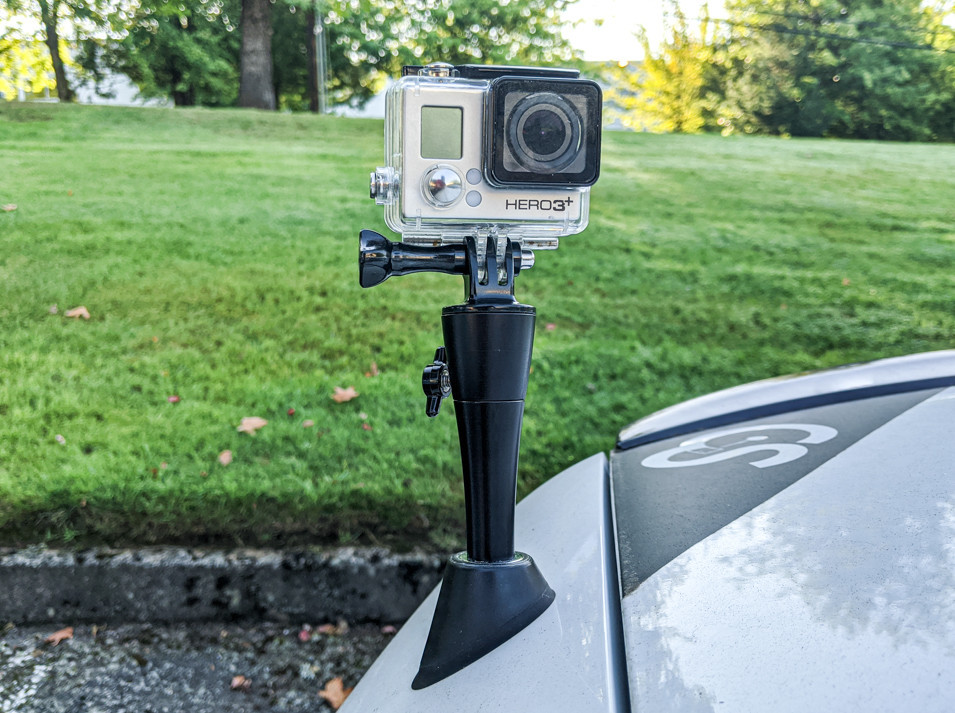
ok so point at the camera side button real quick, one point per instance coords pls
(473, 198)
(474, 177)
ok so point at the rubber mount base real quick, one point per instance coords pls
(481, 605)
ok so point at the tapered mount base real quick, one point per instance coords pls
(490, 592)
(481, 605)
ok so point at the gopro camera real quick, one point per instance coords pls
(485, 151)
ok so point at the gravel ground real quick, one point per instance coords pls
(139, 668)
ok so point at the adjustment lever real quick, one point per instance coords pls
(380, 258)
(436, 382)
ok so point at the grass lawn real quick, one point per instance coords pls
(216, 252)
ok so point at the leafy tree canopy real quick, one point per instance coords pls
(674, 89)
(189, 48)
(186, 49)
(25, 63)
(859, 68)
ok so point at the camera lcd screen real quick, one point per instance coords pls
(441, 131)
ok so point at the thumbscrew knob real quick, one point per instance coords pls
(436, 382)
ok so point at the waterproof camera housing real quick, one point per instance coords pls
(484, 151)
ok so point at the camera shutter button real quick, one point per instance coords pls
(442, 186)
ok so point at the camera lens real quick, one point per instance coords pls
(543, 132)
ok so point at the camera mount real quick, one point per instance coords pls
(490, 592)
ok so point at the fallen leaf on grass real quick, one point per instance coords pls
(308, 423)
(54, 309)
(174, 399)
(9, 207)
(366, 426)
(373, 371)
(342, 395)
(78, 312)
(550, 326)
(58, 636)
(334, 629)
(291, 412)
(225, 457)
(59, 439)
(251, 424)
(240, 683)
(335, 692)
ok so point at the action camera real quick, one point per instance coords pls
(486, 151)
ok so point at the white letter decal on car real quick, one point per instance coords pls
(706, 454)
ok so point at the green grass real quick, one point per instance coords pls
(217, 254)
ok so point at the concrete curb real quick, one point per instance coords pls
(166, 585)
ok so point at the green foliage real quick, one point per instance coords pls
(48, 16)
(25, 62)
(289, 56)
(483, 32)
(186, 50)
(369, 40)
(189, 49)
(862, 69)
(358, 57)
(216, 252)
(676, 89)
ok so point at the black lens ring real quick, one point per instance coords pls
(522, 153)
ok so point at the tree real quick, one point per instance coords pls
(940, 20)
(255, 64)
(483, 31)
(675, 90)
(25, 62)
(856, 68)
(192, 50)
(184, 49)
(49, 14)
(368, 40)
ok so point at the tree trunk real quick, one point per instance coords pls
(311, 57)
(255, 64)
(48, 14)
(186, 98)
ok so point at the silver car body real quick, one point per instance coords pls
(836, 591)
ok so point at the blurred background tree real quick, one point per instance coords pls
(52, 17)
(841, 68)
(484, 32)
(187, 50)
(678, 88)
(198, 51)
(25, 62)
(864, 69)
(861, 69)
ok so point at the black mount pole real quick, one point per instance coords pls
(490, 592)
